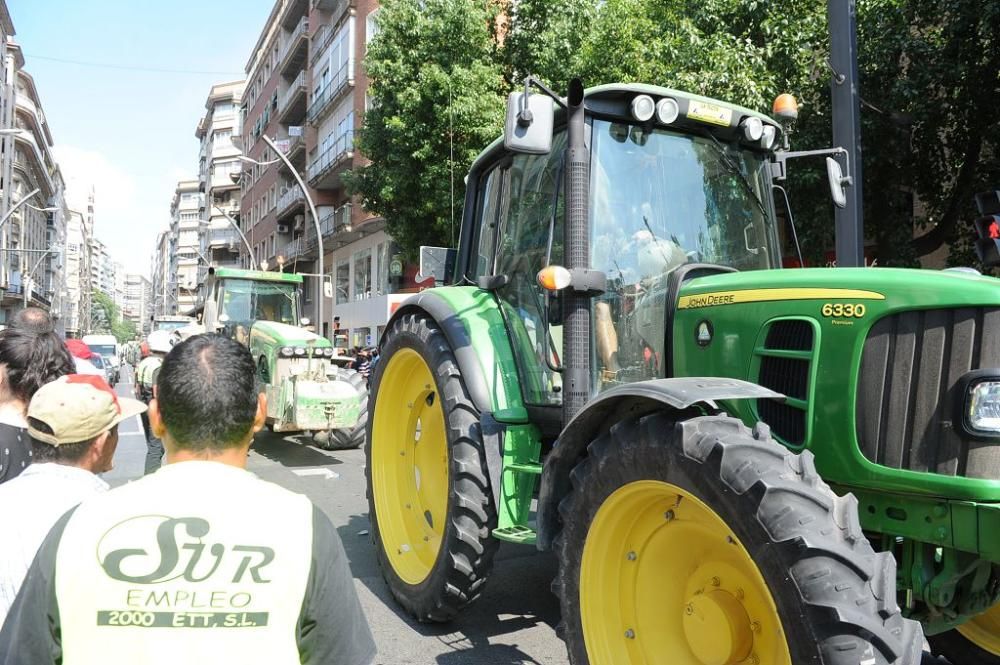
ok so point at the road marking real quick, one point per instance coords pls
(121, 434)
(319, 471)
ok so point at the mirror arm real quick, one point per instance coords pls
(531, 80)
(779, 171)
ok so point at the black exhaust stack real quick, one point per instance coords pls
(576, 304)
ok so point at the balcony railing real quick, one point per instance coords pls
(220, 237)
(293, 43)
(336, 221)
(341, 149)
(291, 196)
(341, 80)
(296, 87)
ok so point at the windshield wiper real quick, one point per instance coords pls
(735, 169)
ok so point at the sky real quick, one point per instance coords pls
(129, 130)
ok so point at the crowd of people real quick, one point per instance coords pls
(182, 572)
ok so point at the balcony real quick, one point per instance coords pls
(294, 148)
(335, 7)
(289, 202)
(292, 12)
(338, 221)
(342, 81)
(293, 55)
(324, 171)
(224, 238)
(292, 104)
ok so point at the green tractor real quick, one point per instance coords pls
(308, 388)
(733, 463)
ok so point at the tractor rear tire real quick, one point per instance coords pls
(703, 541)
(347, 438)
(429, 496)
(976, 642)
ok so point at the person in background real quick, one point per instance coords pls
(160, 343)
(27, 362)
(73, 426)
(255, 574)
(81, 358)
(33, 320)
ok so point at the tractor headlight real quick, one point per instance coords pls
(753, 129)
(667, 110)
(286, 352)
(982, 406)
(643, 108)
(300, 351)
(767, 138)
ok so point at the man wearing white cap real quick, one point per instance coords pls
(73, 425)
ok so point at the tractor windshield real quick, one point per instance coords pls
(660, 199)
(245, 301)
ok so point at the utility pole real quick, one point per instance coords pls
(846, 112)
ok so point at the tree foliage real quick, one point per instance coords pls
(106, 318)
(929, 83)
(435, 85)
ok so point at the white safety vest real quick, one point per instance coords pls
(197, 558)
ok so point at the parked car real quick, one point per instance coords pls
(100, 363)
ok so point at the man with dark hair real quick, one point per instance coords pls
(34, 320)
(73, 426)
(199, 562)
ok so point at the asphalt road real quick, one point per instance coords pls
(513, 623)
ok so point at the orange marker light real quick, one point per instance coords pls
(785, 107)
(553, 278)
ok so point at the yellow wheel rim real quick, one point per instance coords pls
(409, 460)
(983, 630)
(663, 580)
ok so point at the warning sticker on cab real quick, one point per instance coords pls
(710, 113)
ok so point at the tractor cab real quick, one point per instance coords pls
(239, 298)
(675, 181)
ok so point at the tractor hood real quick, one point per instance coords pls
(281, 334)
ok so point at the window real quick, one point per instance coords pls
(382, 269)
(222, 136)
(188, 196)
(343, 283)
(371, 26)
(363, 274)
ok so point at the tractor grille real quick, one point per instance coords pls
(907, 399)
(784, 368)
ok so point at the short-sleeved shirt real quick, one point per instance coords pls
(15, 451)
(198, 562)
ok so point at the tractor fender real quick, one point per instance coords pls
(626, 401)
(455, 331)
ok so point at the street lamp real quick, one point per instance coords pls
(26, 280)
(18, 204)
(312, 209)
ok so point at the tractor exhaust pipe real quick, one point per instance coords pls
(576, 305)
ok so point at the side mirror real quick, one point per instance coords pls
(304, 321)
(838, 181)
(437, 262)
(528, 127)
(327, 289)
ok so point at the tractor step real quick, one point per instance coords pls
(521, 535)
(525, 468)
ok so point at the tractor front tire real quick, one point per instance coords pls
(429, 495)
(702, 541)
(976, 642)
(347, 438)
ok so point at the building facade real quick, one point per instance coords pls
(77, 276)
(164, 274)
(138, 302)
(188, 261)
(219, 170)
(305, 90)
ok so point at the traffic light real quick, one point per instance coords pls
(988, 228)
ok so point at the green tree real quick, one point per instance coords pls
(435, 86)
(106, 318)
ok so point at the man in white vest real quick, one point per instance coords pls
(200, 562)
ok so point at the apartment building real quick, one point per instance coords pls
(190, 268)
(219, 170)
(306, 91)
(32, 192)
(164, 271)
(138, 302)
(76, 311)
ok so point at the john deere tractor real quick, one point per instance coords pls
(307, 389)
(733, 463)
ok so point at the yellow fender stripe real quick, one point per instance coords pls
(762, 295)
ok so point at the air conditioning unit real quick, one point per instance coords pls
(284, 228)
